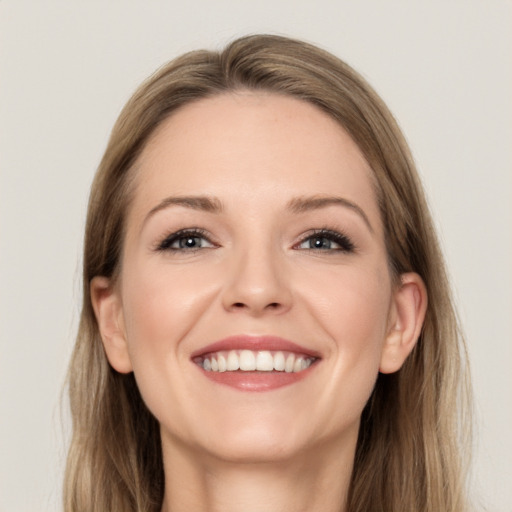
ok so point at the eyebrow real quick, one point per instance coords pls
(203, 203)
(296, 205)
(305, 204)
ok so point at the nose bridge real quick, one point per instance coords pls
(256, 278)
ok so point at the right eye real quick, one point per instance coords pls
(185, 240)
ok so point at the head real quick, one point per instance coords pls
(404, 430)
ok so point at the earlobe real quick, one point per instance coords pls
(406, 320)
(109, 315)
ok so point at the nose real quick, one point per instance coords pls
(256, 283)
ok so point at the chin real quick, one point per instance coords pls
(256, 447)
(253, 438)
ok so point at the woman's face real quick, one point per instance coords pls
(254, 238)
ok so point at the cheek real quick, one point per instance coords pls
(352, 303)
(352, 307)
(161, 304)
(363, 317)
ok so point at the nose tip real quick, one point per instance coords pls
(257, 285)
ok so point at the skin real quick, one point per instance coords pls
(291, 448)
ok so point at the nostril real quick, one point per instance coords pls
(242, 305)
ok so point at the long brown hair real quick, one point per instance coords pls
(408, 456)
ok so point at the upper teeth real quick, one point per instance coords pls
(248, 360)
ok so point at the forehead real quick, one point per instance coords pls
(252, 145)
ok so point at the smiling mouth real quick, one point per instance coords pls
(254, 361)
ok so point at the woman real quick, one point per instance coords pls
(255, 332)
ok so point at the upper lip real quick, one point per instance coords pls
(256, 343)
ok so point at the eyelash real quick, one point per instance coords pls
(344, 242)
(183, 234)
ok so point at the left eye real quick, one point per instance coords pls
(190, 242)
(185, 241)
(327, 241)
(318, 242)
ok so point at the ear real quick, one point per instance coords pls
(107, 306)
(407, 314)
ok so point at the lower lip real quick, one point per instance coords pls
(256, 381)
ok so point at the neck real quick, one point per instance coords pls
(309, 483)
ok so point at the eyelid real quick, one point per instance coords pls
(165, 243)
(345, 242)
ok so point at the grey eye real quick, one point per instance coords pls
(185, 240)
(327, 240)
(318, 242)
(190, 242)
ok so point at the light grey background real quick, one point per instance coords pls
(66, 69)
